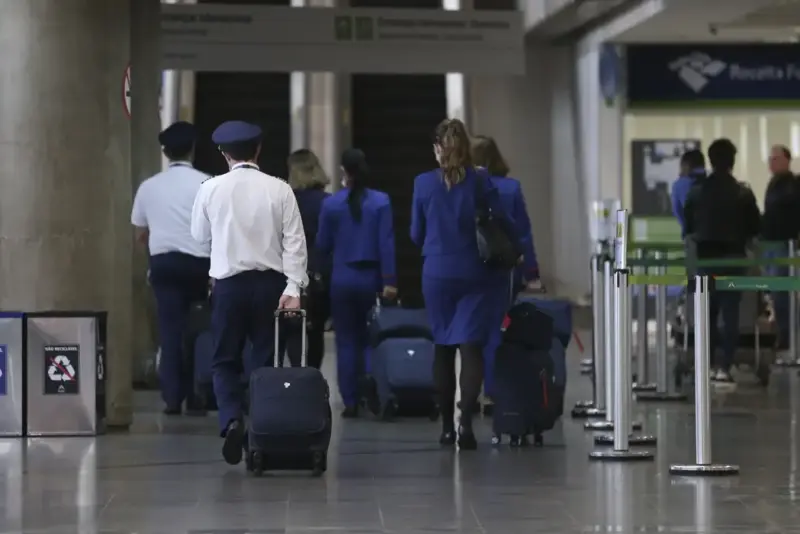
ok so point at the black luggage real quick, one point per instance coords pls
(527, 399)
(199, 395)
(290, 415)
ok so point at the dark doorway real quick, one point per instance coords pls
(393, 117)
(258, 97)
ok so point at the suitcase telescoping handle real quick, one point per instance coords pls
(279, 314)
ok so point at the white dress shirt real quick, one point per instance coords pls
(163, 205)
(254, 224)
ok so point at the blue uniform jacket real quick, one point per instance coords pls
(680, 190)
(351, 242)
(443, 224)
(514, 204)
(309, 201)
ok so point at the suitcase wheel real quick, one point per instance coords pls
(538, 440)
(518, 441)
(319, 463)
(497, 439)
(763, 374)
(388, 411)
(255, 463)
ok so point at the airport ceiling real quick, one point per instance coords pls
(721, 21)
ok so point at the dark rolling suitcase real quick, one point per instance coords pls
(290, 415)
(400, 382)
(527, 399)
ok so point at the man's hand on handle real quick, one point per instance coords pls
(288, 302)
(389, 292)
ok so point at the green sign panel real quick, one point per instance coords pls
(756, 283)
(343, 28)
(354, 28)
(365, 29)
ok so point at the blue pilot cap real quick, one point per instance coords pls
(179, 134)
(232, 132)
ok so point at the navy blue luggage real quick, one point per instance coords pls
(401, 364)
(527, 400)
(290, 415)
(393, 321)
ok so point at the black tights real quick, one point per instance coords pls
(471, 379)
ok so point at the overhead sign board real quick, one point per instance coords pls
(705, 75)
(208, 37)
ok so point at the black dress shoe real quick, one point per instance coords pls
(447, 438)
(350, 412)
(234, 443)
(466, 439)
(172, 411)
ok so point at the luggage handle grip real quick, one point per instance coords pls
(304, 338)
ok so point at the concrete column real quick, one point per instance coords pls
(146, 158)
(318, 118)
(65, 236)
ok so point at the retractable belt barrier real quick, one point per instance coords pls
(610, 365)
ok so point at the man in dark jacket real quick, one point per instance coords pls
(721, 217)
(781, 222)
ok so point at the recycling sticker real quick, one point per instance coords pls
(62, 369)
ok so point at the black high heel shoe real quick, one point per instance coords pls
(466, 439)
(447, 438)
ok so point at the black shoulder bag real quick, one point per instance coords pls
(495, 246)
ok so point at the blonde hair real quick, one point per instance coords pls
(486, 154)
(305, 170)
(451, 137)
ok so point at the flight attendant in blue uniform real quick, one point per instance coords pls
(162, 210)
(486, 154)
(356, 229)
(458, 287)
(258, 262)
(308, 180)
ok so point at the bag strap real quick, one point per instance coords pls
(481, 209)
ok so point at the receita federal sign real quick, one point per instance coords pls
(280, 39)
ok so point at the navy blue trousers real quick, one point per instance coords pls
(178, 280)
(242, 308)
(353, 293)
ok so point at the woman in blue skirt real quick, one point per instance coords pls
(458, 287)
(486, 154)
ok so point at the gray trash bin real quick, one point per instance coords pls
(65, 373)
(11, 374)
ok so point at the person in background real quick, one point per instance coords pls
(258, 261)
(721, 217)
(308, 180)
(693, 168)
(486, 154)
(781, 222)
(161, 215)
(357, 230)
(458, 287)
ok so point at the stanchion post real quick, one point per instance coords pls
(596, 406)
(662, 364)
(622, 355)
(702, 389)
(794, 358)
(642, 338)
(608, 352)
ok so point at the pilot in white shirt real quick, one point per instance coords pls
(162, 211)
(258, 262)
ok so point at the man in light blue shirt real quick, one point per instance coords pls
(693, 167)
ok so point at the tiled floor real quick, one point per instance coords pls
(167, 477)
